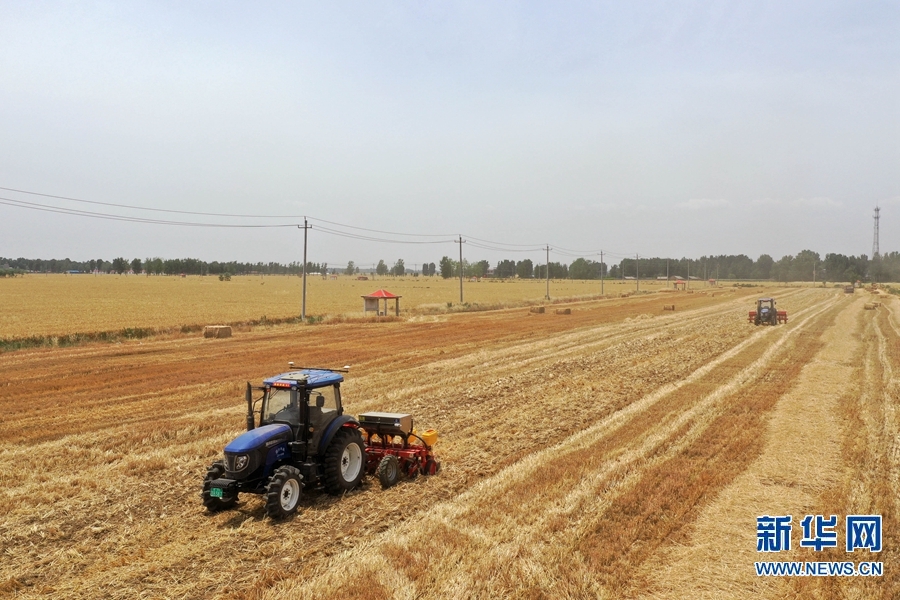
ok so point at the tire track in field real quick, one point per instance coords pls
(797, 457)
(871, 465)
(181, 535)
(449, 519)
(102, 455)
(104, 373)
(542, 354)
(871, 450)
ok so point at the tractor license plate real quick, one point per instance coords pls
(215, 492)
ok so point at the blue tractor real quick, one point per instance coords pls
(301, 439)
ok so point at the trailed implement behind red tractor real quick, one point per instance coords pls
(765, 313)
(393, 449)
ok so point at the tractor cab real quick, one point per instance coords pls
(307, 401)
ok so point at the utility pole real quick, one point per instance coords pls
(548, 272)
(601, 272)
(305, 229)
(876, 251)
(637, 272)
(667, 273)
(460, 242)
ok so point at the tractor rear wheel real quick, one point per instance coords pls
(212, 503)
(388, 471)
(283, 492)
(344, 461)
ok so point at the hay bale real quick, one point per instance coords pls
(564, 311)
(669, 307)
(537, 309)
(869, 306)
(217, 331)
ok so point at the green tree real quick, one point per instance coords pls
(399, 268)
(136, 266)
(505, 269)
(447, 267)
(525, 269)
(351, 268)
(584, 269)
(480, 268)
(781, 271)
(119, 265)
(763, 267)
(803, 265)
(381, 269)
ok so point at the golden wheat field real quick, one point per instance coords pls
(52, 304)
(620, 451)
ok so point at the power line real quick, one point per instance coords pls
(368, 238)
(379, 231)
(500, 243)
(485, 247)
(483, 244)
(112, 217)
(162, 210)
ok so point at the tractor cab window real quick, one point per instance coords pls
(323, 408)
(281, 405)
(324, 398)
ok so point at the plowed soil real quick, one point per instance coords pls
(618, 451)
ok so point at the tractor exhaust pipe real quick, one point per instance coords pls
(250, 421)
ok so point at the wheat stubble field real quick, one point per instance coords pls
(617, 452)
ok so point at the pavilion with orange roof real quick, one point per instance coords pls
(372, 302)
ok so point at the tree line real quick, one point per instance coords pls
(157, 266)
(805, 266)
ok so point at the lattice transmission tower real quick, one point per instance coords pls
(876, 253)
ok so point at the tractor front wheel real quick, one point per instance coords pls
(283, 492)
(344, 461)
(388, 471)
(213, 503)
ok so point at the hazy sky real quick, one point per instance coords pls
(659, 128)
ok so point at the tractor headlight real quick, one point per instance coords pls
(240, 462)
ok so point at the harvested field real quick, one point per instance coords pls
(617, 451)
(55, 305)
